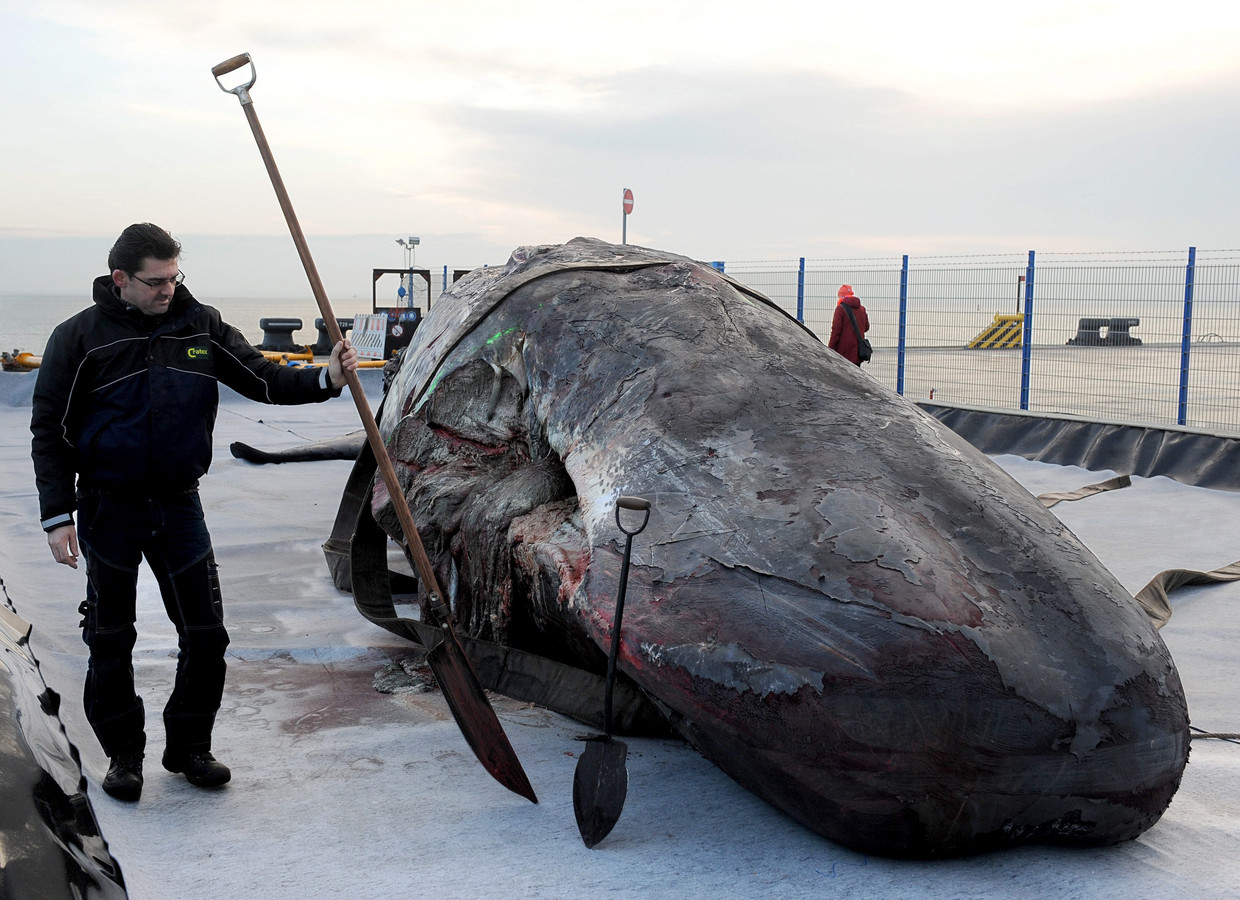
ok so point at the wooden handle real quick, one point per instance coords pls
(400, 504)
(640, 504)
(453, 670)
(229, 65)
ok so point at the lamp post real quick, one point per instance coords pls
(408, 245)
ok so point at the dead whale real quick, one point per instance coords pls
(841, 603)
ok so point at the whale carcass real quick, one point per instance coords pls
(842, 604)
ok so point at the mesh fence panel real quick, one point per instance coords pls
(1105, 338)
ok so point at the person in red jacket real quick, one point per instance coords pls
(843, 338)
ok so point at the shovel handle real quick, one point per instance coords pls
(230, 65)
(643, 504)
(635, 503)
(400, 504)
(464, 694)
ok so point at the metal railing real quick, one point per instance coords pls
(1131, 338)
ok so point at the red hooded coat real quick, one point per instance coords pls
(843, 339)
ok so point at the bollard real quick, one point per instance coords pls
(278, 335)
(323, 346)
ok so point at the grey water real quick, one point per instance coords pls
(27, 320)
(1151, 383)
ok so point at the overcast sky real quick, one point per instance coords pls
(746, 130)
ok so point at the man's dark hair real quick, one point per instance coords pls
(140, 242)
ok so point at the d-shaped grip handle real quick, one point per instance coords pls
(233, 64)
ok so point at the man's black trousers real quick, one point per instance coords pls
(115, 531)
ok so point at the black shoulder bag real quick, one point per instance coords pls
(864, 350)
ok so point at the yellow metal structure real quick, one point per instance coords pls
(283, 357)
(1003, 334)
(20, 361)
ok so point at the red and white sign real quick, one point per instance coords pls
(369, 334)
(628, 201)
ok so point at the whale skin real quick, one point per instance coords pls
(843, 605)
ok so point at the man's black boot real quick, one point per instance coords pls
(124, 778)
(201, 769)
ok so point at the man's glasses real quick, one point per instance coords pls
(179, 278)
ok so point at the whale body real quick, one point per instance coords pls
(842, 604)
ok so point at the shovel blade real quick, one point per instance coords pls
(600, 785)
(475, 716)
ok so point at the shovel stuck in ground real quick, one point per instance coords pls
(601, 781)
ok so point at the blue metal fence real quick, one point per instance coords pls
(1134, 338)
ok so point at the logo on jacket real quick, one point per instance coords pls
(197, 352)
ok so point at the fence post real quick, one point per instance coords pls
(1026, 353)
(801, 292)
(903, 326)
(1186, 340)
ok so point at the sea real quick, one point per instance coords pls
(27, 320)
(1141, 384)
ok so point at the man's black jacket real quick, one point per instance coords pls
(127, 401)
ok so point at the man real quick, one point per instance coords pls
(126, 400)
(845, 339)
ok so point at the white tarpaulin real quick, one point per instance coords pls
(339, 790)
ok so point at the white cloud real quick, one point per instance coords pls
(744, 129)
